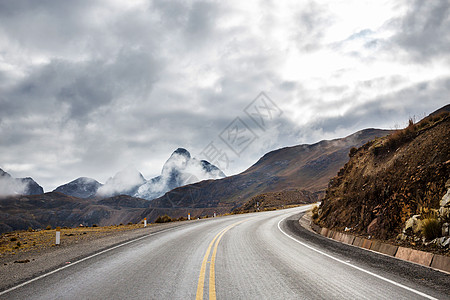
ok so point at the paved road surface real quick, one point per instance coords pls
(251, 256)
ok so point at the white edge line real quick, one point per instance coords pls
(81, 260)
(353, 266)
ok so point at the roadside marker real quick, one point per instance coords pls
(145, 222)
(58, 236)
(189, 217)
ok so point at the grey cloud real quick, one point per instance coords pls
(84, 86)
(424, 29)
(126, 87)
(47, 26)
(420, 99)
(312, 22)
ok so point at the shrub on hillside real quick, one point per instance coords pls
(400, 137)
(163, 219)
(431, 228)
(315, 212)
(353, 151)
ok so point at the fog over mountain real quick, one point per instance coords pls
(180, 169)
(124, 182)
(18, 186)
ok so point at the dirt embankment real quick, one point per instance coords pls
(391, 179)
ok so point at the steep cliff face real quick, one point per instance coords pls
(390, 179)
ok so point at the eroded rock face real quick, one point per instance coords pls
(444, 209)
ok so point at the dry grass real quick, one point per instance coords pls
(431, 228)
(25, 241)
(315, 212)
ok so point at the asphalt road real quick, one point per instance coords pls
(265, 255)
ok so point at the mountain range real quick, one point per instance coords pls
(303, 167)
(180, 169)
(298, 174)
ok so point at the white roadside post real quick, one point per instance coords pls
(145, 222)
(189, 217)
(214, 214)
(58, 236)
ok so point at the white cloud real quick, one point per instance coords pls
(123, 182)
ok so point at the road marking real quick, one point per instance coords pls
(83, 259)
(212, 280)
(353, 266)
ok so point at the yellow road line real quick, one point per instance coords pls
(201, 277)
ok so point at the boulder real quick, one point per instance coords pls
(444, 210)
(413, 225)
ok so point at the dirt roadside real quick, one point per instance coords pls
(24, 264)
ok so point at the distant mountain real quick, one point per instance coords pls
(180, 169)
(82, 187)
(18, 186)
(303, 167)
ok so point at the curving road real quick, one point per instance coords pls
(265, 255)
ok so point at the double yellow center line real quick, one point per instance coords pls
(212, 279)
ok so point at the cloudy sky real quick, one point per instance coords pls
(89, 88)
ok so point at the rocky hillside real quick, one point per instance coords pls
(391, 179)
(303, 167)
(56, 209)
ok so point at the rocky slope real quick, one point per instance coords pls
(391, 179)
